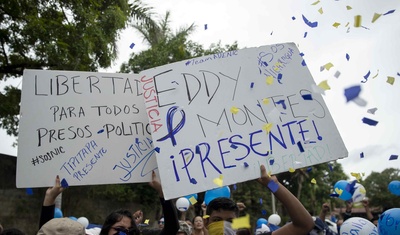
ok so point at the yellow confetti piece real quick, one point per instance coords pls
(219, 181)
(328, 66)
(390, 80)
(336, 24)
(339, 191)
(375, 17)
(234, 110)
(269, 80)
(357, 175)
(349, 7)
(376, 74)
(192, 200)
(321, 11)
(357, 21)
(315, 3)
(265, 101)
(241, 222)
(324, 85)
(147, 221)
(267, 127)
(291, 170)
(313, 181)
(206, 216)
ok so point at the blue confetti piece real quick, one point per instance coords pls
(303, 63)
(366, 77)
(205, 27)
(393, 157)
(352, 92)
(273, 186)
(193, 181)
(64, 183)
(233, 146)
(29, 191)
(398, 74)
(264, 212)
(293, 18)
(100, 131)
(259, 105)
(347, 57)
(279, 78)
(362, 155)
(300, 146)
(246, 164)
(137, 140)
(334, 195)
(271, 162)
(282, 102)
(132, 45)
(197, 149)
(389, 12)
(252, 85)
(157, 149)
(307, 97)
(305, 35)
(309, 169)
(301, 54)
(187, 63)
(261, 201)
(234, 187)
(369, 121)
(330, 167)
(311, 24)
(272, 32)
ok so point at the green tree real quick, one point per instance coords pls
(58, 35)
(376, 185)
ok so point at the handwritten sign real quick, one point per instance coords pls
(88, 128)
(220, 116)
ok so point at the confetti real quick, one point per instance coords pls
(241, 222)
(206, 216)
(311, 24)
(324, 85)
(303, 63)
(393, 157)
(279, 78)
(377, 72)
(309, 169)
(233, 146)
(362, 155)
(282, 102)
(219, 181)
(349, 7)
(375, 17)
(265, 101)
(157, 149)
(267, 127)
(330, 167)
(234, 110)
(356, 175)
(328, 66)
(315, 3)
(261, 201)
(313, 181)
(100, 131)
(336, 24)
(132, 45)
(347, 57)
(305, 35)
(234, 187)
(389, 12)
(321, 11)
(264, 212)
(372, 110)
(307, 97)
(398, 74)
(252, 85)
(322, 68)
(366, 76)
(246, 164)
(291, 170)
(205, 26)
(352, 92)
(347, 25)
(271, 162)
(390, 80)
(192, 200)
(293, 18)
(273, 186)
(337, 74)
(269, 80)
(360, 101)
(300, 147)
(147, 221)
(369, 121)
(357, 21)
(29, 191)
(64, 183)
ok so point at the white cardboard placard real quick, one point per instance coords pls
(209, 118)
(86, 127)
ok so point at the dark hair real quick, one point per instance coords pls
(12, 231)
(115, 217)
(221, 203)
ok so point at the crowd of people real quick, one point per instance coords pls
(216, 219)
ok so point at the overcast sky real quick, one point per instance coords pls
(372, 48)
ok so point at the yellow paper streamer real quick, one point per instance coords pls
(357, 21)
(376, 74)
(241, 222)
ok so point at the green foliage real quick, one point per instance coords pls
(58, 35)
(376, 185)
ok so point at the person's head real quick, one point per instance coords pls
(161, 223)
(119, 221)
(198, 223)
(221, 209)
(62, 226)
(184, 228)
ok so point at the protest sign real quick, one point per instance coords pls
(216, 118)
(86, 127)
